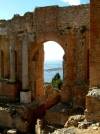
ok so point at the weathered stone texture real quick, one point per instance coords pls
(95, 43)
(8, 91)
(25, 74)
(21, 117)
(93, 97)
(93, 105)
(69, 26)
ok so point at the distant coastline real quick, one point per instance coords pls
(51, 68)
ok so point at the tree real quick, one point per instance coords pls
(56, 81)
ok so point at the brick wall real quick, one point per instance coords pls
(95, 43)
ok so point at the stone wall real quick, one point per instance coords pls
(93, 97)
(22, 38)
(94, 43)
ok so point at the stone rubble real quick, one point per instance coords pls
(74, 120)
(64, 131)
(95, 92)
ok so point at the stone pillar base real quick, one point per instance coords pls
(93, 105)
(25, 97)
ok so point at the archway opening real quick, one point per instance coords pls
(53, 64)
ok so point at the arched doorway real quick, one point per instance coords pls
(53, 68)
(53, 60)
(47, 62)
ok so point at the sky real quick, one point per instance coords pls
(10, 7)
(53, 51)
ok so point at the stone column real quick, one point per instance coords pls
(25, 94)
(1, 64)
(25, 82)
(12, 63)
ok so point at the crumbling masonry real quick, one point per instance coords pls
(22, 54)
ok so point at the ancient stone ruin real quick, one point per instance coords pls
(77, 30)
(22, 55)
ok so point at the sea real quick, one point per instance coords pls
(51, 68)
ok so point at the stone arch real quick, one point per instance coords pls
(48, 37)
(44, 24)
(36, 54)
(68, 42)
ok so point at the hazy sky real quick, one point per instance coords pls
(53, 51)
(8, 8)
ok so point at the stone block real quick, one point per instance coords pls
(9, 91)
(58, 118)
(92, 112)
(25, 97)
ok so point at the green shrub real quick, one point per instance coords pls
(56, 81)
